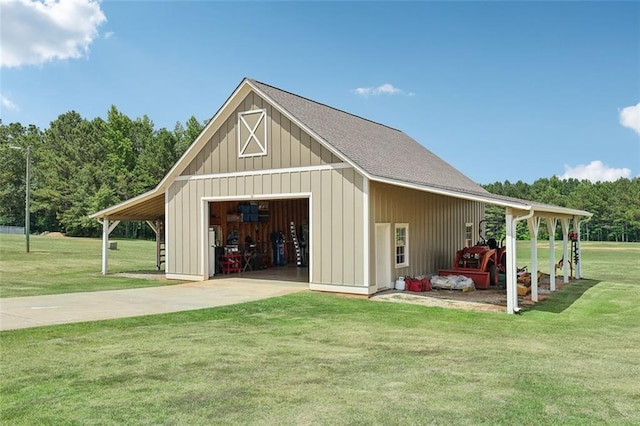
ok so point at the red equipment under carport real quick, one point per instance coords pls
(481, 263)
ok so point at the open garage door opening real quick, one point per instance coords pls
(259, 239)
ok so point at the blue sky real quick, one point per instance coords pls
(500, 90)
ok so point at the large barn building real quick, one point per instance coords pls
(358, 203)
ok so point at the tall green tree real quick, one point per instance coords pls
(157, 156)
(186, 136)
(15, 139)
(71, 170)
(615, 205)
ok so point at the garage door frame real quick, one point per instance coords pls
(204, 222)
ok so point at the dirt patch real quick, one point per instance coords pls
(487, 300)
(432, 298)
(53, 234)
(144, 275)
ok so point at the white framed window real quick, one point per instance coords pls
(402, 244)
(252, 133)
(468, 234)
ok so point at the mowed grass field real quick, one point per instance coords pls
(63, 265)
(316, 358)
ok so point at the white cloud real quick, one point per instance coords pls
(596, 171)
(34, 32)
(383, 89)
(630, 117)
(7, 104)
(108, 35)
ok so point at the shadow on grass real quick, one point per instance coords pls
(560, 300)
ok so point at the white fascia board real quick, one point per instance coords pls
(560, 211)
(304, 127)
(334, 166)
(128, 203)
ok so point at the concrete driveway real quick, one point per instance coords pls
(35, 311)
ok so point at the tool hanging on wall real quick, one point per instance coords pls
(296, 245)
(573, 237)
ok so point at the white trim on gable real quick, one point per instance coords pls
(334, 166)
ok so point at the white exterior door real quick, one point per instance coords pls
(383, 256)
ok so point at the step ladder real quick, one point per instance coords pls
(296, 245)
(160, 249)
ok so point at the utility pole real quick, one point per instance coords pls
(27, 195)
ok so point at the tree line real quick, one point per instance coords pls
(615, 206)
(81, 166)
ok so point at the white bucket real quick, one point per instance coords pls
(400, 284)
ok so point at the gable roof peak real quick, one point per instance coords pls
(378, 150)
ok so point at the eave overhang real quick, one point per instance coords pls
(147, 206)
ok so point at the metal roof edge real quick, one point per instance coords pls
(561, 210)
(452, 193)
(489, 198)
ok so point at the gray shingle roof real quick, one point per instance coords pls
(377, 149)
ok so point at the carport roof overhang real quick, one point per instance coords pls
(147, 206)
(539, 209)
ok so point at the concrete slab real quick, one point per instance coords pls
(35, 311)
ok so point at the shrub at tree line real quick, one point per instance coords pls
(81, 166)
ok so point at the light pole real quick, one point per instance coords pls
(27, 196)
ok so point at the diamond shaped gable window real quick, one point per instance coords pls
(252, 133)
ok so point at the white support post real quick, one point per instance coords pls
(512, 269)
(105, 244)
(512, 302)
(534, 226)
(552, 223)
(106, 230)
(565, 249)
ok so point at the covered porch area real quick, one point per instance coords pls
(148, 208)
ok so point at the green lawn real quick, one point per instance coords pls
(315, 358)
(65, 265)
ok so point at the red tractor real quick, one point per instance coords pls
(481, 262)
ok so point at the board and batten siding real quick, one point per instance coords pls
(287, 145)
(336, 218)
(436, 226)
